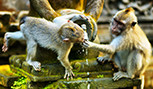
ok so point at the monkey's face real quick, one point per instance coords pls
(123, 21)
(72, 32)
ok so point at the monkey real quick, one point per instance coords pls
(80, 20)
(59, 36)
(130, 48)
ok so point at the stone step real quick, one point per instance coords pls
(89, 83)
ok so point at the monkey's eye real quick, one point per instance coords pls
(76, 34)
(120, 23)
(133, 23)
(72, 29)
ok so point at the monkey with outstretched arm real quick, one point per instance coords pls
(130, 49)
(78, 19)
(58, 35)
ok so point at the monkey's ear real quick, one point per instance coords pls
(66, 40)
(133, 24)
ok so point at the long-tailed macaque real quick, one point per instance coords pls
(81, 20)
(129, 49)
(58, 35)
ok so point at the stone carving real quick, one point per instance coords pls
(142, 7)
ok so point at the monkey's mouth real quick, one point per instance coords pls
(115, 33)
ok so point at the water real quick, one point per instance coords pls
(88, 86)
(87, 63)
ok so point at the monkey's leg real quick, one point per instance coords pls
(134, 64)
(31, 52)
(11, 35)
(63, 58)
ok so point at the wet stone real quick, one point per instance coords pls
(17, 60)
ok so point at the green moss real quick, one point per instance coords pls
(20, 83)
(100, 76)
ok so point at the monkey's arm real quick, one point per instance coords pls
(44, 9)
(94, 8)
(18, 35)
(101, 47)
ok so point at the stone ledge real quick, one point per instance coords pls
(7, 77)
(97, 83)
(34, 78)
(84, 65)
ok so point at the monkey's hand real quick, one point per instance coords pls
(69, 73)
(120, 75)
(36, 65)
(5, 47)
(85, 44)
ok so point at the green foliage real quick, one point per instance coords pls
(100, 76)
(19, 83)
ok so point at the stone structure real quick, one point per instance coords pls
(88, 73)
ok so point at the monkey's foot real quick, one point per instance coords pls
(103, 59)
(69, 73)
(85, 17)
(36, 65)
(120, 75)
(82, 17)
